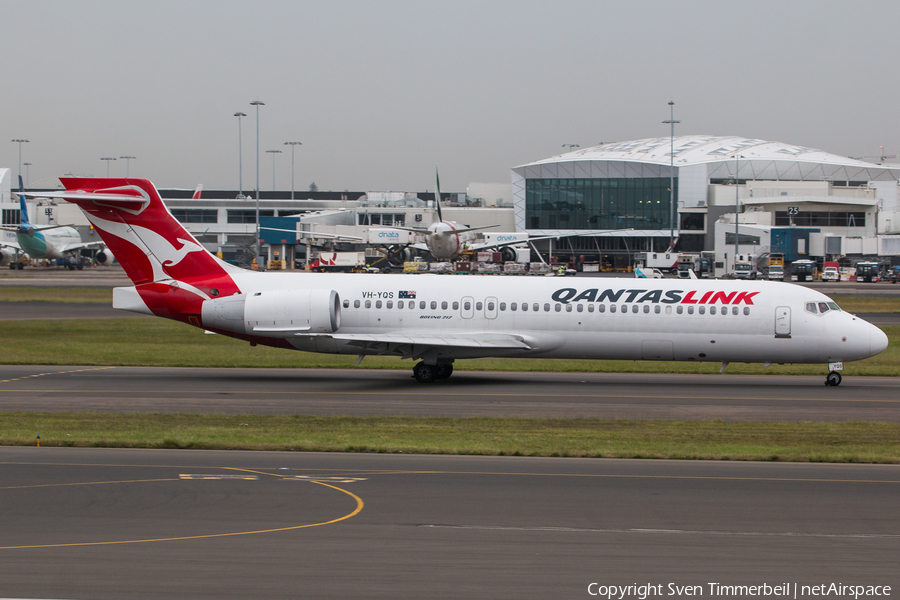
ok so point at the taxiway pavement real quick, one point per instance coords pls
(362, 392)
(98, 523)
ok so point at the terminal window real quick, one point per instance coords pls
(192, 215)
(611, 203)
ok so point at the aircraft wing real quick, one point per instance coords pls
(11, 245)
(477, 247)
(74, 247)
(415, 345)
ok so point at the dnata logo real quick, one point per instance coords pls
(507, 238)
(394, 235)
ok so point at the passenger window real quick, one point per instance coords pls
(479, 305)
(400, 304)
(646, 309)
(612, 308)
(434, 305)
(568, 308)
(746, 310)
(512, 306)
(601, 308)
(712, 310)
(690, 310)
(467, 306)
(811, 307)
(701, 310)
(581, 308)
(558, 307)
(590, 308)
(421, 305)
(668, 309)
(656, 309)
(734, 310)
(356, 304)
(412, 305)
(823, 308)
(680, 310)
(390, 304)
(524, 307)
(547, 307)
(634, 308)
(444, 305)
(456, 306)
(536, 307)
(378, 304)
(490, 306)
(346, 304)
(503, 306)
(368, 304)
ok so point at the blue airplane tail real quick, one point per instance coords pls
(23, 217)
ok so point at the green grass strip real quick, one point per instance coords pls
(784, 441)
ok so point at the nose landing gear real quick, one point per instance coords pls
(833, 378)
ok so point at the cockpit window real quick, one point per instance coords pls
(823, 307)
(833, 306)
(811, 307)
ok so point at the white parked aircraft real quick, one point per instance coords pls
(438, 319)
(46, 241)
(445, 240)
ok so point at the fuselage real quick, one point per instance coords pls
(47, 243)
(594, 318)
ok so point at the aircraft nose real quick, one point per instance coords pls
(878, 340)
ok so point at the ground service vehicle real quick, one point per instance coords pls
(803, 270)
(776, 273)
(437, 319)
(867, 271)
(831, 272)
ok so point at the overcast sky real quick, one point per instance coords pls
(381, 92)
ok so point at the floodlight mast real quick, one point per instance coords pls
(672, 122)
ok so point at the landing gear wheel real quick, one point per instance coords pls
(425, 373)
(833, 378)
(444, 370)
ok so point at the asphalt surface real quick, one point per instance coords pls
(362, 392)
(93, 523)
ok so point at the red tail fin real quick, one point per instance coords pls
(150, 244)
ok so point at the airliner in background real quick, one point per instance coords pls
(445, 240)
(437, 319)
(46, 241)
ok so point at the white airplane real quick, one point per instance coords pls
(445, 240)
(46, 241)
(438, 319)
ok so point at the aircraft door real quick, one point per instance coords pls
(783, 321)
(490, 308)
(467, 307)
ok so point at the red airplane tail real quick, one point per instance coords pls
(158, 254)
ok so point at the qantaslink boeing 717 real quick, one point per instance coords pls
(436, 319)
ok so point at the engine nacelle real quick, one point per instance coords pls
(104, 257)
(280, 313)
(6, 256)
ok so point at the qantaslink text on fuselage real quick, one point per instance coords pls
(566, 295)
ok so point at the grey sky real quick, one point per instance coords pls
(381, 92)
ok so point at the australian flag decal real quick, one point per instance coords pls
(403, 295)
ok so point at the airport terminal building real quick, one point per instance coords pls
(615, 197)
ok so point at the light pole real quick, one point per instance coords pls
(672, 122)
(128, 160)
(273, 153)
(292, 145)
(28, 164)
(257, 104)
(737, 202)
(20, 142)
(107, 159)
(240, 158)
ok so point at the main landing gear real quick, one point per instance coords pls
(425, 373)
(833, 378)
